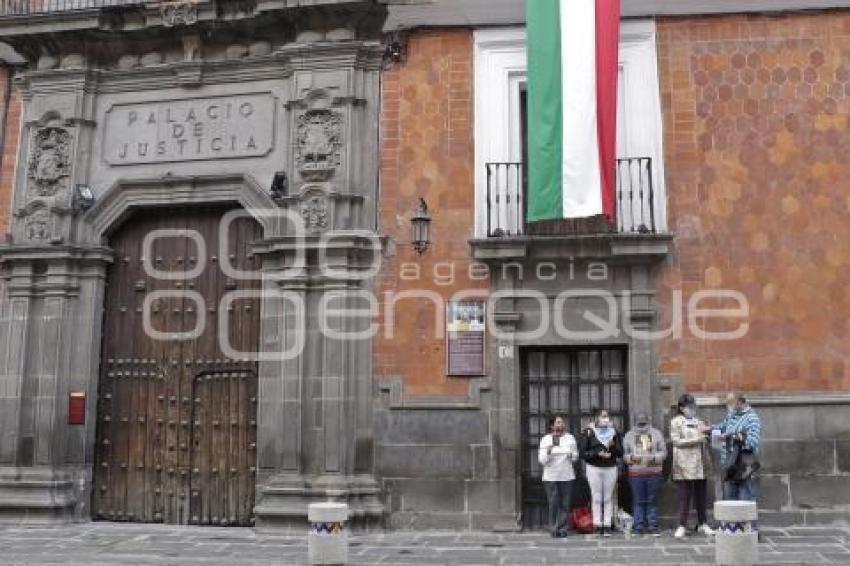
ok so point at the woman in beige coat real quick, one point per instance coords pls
(688, 435)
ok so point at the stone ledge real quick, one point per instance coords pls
(647, 248)
(392, 395)
(34, 495)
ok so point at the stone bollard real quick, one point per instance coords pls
(736, 542)
(328, 538)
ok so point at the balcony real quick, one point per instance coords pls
(634, 207)
(635, 234)
(40, 7)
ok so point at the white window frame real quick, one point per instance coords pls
(501, 69)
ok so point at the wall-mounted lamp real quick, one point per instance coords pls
(421, 227)
(280, 185)
(83, 197)
(394, 50)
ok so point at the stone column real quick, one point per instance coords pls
(51, 306)
(51, 324)
(315, 419)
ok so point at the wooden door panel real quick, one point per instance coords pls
(224, 441)
(151, 393)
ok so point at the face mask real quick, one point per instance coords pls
(689, 412)
(604, 422)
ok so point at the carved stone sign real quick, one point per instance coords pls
(190, 129)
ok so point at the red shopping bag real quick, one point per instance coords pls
(583, 520)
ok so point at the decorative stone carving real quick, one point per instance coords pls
(128, 62)
(235, 51)
(73, 61)
(309, 36)
(179, 13)
(37, 226)
(318, 144)
(340, 34)
(47, 62)
(50, 162)
(314, 211)
(259, 48)
(151, 58)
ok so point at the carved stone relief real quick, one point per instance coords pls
(37, 226)
(318, 144)
(50, 163)
(179, 13)
(315, 211)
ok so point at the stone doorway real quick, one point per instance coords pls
(565, 381)
(177, 417)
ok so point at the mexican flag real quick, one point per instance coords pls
(572, 107)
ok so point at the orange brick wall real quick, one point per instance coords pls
(10, 147)
(756, 113)
(426, 151)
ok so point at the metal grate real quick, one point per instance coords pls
(565, 381)
(634, 206)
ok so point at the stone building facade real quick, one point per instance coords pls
(752, 127)
(181, 112)
(327, 121)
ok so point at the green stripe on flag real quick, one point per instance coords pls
(545, 110)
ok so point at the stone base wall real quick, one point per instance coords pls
(805, 456)
(439, 470)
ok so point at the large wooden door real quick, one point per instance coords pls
(176, 431)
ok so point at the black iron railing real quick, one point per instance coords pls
(39, 7)
(634, 203)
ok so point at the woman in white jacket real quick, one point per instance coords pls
(557, 453)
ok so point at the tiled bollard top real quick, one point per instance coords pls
(328, 537)
(736, 540)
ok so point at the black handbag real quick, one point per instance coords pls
(745, 465)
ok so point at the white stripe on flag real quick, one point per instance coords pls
(582, 184)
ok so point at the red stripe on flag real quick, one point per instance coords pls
(607, 71)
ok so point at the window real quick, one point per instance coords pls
(500, 83)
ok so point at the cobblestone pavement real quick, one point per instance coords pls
(100, 544)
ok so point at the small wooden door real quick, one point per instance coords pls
(176, 431)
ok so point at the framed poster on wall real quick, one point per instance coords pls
(465, 338)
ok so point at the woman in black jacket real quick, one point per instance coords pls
(601, 446)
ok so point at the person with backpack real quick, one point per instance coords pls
(741, 434)
(645, 452)
(601, 447)
(556, 454)
(688, 435)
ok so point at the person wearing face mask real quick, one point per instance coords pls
(645, 452)
(557, 453)
(741, 434)
(688, 435)
(601, 447)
